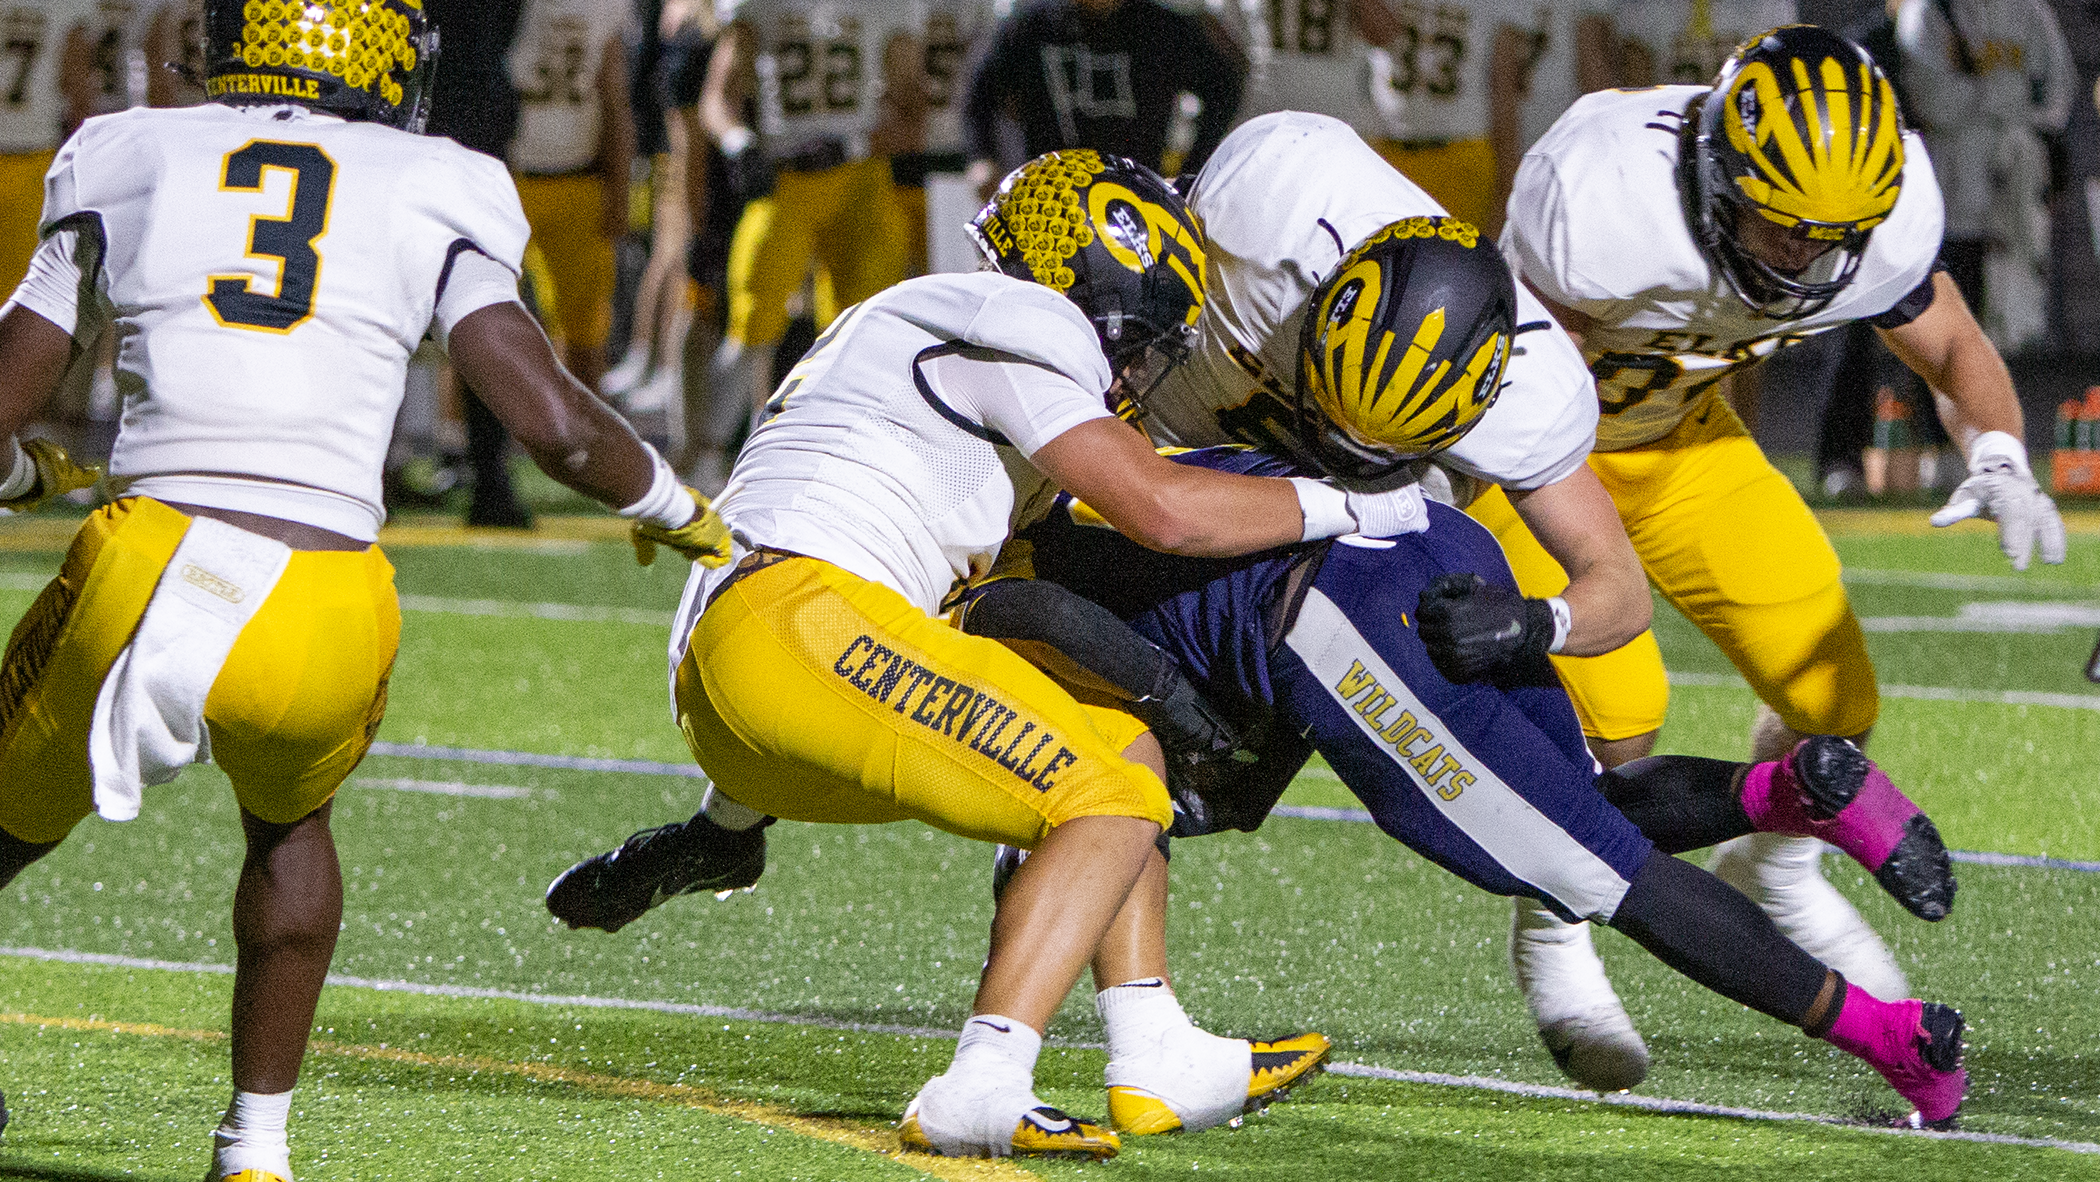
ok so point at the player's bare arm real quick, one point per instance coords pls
(34, 354)
(1167, 506)
(577, 439)
(730, 78)
(902, 125)
(1607, 595)
(1947, 348)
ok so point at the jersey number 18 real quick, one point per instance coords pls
(289, 239)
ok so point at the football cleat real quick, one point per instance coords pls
(1276, 1066)
(1580, 1018)
(246, 1176)
(1042, 1131)
(1784, 876)
(1828, 788)
(611, 890)
(1924, 1063)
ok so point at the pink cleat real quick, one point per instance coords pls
(1827, 788)
(1915, 1045)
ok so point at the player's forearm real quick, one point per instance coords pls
(1607, 594)
(34, 354)
(722, 98)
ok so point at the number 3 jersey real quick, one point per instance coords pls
(1284, 197)
(1596, 225)
(267, 272)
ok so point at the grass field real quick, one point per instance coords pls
(778, 1034)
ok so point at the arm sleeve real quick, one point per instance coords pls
(52, 287)
(1019, 403)
(1911, 306)
(472, 281)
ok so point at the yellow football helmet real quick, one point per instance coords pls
(362, 59)
(1116, 239)
(1401, 350)
(1802, 130)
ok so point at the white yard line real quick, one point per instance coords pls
(445, 788)
(1359, 1070)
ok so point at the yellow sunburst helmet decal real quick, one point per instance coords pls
(1400, 386)
(1832, 157)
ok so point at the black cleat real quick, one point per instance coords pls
(1830, 771)
(612, 890)
(1919, 873)
(3, 1112)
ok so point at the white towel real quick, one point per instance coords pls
(149, 716)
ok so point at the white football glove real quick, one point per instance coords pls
(2001, 488)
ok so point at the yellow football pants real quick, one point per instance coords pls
(1460, 175)
(846, 219)
(810, 693)
(564, 212)
(292, 712)
(1731, 545)
(21, 205)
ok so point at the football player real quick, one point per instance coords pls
(1682, 234)
(269, 260)
(573, 153)
(48, 45)
(823, 78)
(1668, 42)
(814, 680)
(174, 48)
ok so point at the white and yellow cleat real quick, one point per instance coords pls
(1144, 1099)
(1042, 1131)
(248, 1176)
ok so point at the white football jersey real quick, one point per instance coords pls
(1551, 51)
(1596, 225)
(267, 272)
(949, 31)
(819, 65)
(117, 69)
(555, 64)
(1687, 40)
(1304, 55)
(33, 37)
(1282, 199)
(1432, 82)
(867, 461)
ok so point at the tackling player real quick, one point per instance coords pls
(573, 152)
(268, 260)
(1682, 234)
(815, 681)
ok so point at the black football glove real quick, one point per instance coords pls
(1478, 632)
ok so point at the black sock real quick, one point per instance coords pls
(1681, 802)
(1707, 930)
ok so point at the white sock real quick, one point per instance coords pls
(252, 1135)
(1139, 1015)
(728, 813)
(993, 1044)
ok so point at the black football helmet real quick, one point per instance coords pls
(1801, 129)
(1400, 352)
(1119, 241)
(361, 59)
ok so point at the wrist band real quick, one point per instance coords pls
(1563, 622)
(21, 477)
(667, 504)
(1326, 509)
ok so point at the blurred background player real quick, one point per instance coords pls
(572, 154)
(1681, 234)
(49, 46)
(1684, 42)
(1989, 84)
(821, 79)
(949, 30)
(1101, 74)
(174, 50)
(203, 234)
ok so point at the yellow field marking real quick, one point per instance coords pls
(1913, 523)
(836, 1132)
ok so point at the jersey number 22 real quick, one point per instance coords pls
(289, 239)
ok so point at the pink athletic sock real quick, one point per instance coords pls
(1868, 829)
(1887, 1035)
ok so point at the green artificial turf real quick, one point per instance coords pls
(1316, 924)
